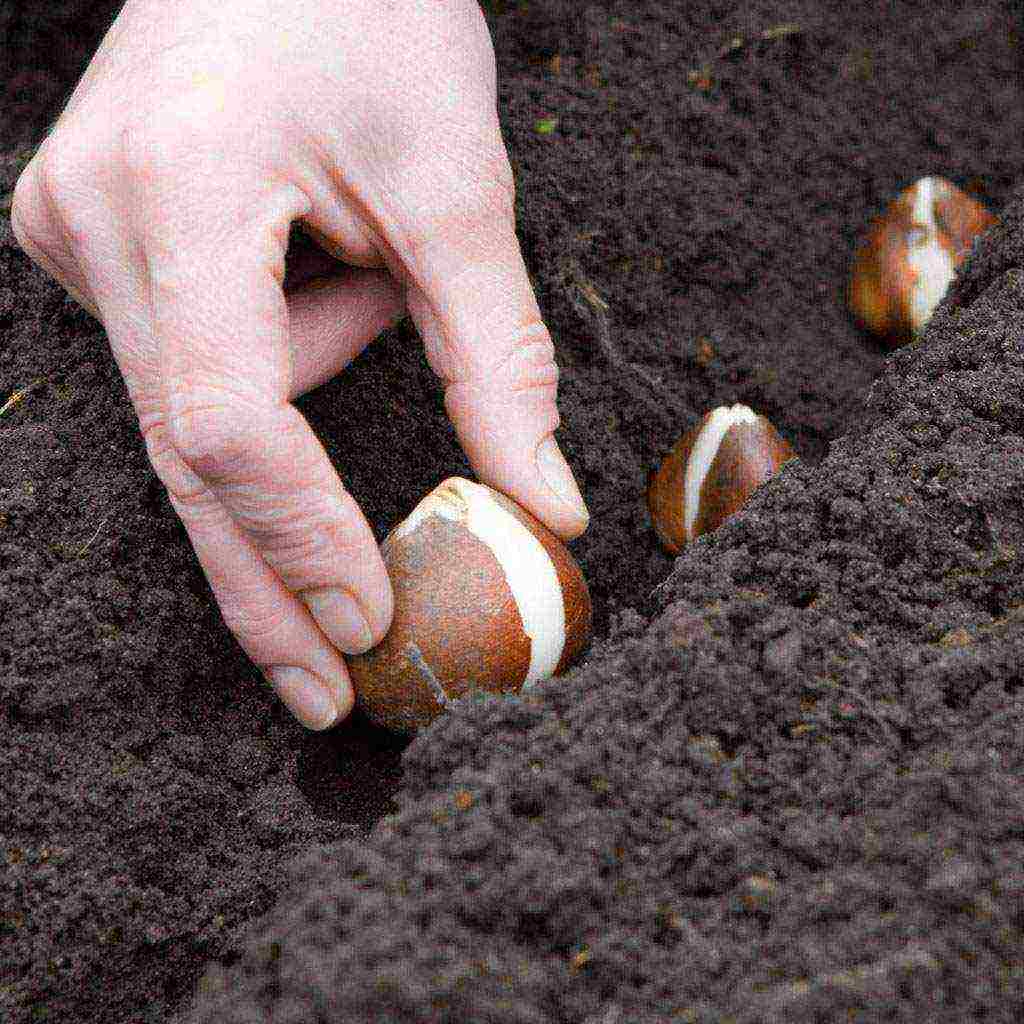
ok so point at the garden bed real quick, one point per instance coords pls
(784, 784)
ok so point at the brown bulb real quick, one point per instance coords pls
(905, 264)
(485, 596)
(711, 472)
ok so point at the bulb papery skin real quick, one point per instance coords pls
(485, 596)
(905, 264)
(711, 472)
(705, 448)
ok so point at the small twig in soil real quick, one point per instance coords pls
(85, 546)
(703, 78)
(789, 28)
(19, 396)
(593, 307)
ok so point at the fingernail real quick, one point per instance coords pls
(558, 476)
(305, 696)
(339, 616)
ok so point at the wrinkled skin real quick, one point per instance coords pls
(162, 201)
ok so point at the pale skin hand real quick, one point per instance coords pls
(162, 202)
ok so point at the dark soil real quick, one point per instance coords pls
(784, 785)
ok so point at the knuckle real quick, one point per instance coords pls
(187, 492)
(536, 349)
(65, 165)
(342, 540)
(282, 530)
(213, 436)
(305, 549)
(55, 196)
(158, 446)
(532, 375)
(529, 362)
(299, 554)
(252, 618)
(54, 171)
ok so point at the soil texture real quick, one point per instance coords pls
(784, 783)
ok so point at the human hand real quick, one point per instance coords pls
(162, 202)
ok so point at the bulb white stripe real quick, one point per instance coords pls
(703, 454)
(529, 571)
(929, 259)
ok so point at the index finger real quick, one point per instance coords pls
(474, 306)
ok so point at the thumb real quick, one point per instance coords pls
(470, 297)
